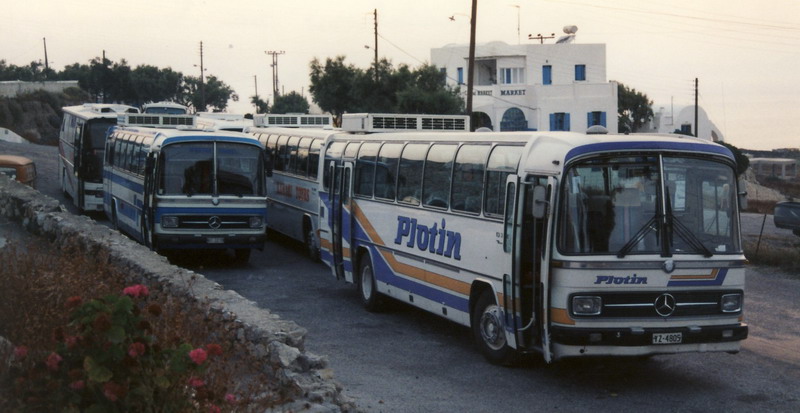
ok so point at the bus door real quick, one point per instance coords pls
(340, 214)
(148, 201)
(538, 226)
(525, 283)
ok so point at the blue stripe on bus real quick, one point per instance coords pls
(718, 280)
(384, 273)
(634, 145)
(212, 138)
(125, 182)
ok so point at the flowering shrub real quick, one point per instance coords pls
(107, 360)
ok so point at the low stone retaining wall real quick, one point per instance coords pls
(261, 337)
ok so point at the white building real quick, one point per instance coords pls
(681, 120)
(559, 86)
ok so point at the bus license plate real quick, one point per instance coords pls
(215, 240)
(667, 338)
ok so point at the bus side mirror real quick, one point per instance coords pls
(742, 194)
(149, 164)
(268, 167)
(539, 202)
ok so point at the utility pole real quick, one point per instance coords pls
(518, 9)
(376, 45)
(46, 65)
(103, 79)
(255, 80)
(696, 126)
(275, 54)
(471, 63)
(202, 82)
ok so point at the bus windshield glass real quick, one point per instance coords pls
(189, 169)
(95, 133)
(620, 206)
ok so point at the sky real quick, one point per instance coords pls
(744, 53)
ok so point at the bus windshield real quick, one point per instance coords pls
(95, 133)
(189, 169)
(649, 205)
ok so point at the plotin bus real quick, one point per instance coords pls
(292, 144)
(81, 142)
(561, 243)
(170, 186)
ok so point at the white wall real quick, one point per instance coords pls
(15, 87)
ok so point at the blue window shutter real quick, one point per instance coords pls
(589, 119)
(552, 121)
(547, 75)
(603, 119)
(566, 121)
(460, 75)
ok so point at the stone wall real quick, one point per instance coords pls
(263, 338)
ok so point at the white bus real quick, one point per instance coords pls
(560, 243)
(165, 108)
(81, 143)
(185, 188)
(223, 121)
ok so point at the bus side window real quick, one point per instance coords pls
(301, 166)
(313, 158)
(365, 169)
(386, 170)
(281, 154)
(291, 155)
(409, 176)
(438, 173)
(502, 162)
(468, 175)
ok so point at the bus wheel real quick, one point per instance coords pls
(488, 330)
(370, 297)
(311, 245)
(241, 255)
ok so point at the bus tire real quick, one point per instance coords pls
(488, 330)
(241, 255)
(370, 297)
(310, 241)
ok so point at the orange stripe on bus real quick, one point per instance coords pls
(560, 316)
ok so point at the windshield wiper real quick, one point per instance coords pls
(687, 235)
(648, 226)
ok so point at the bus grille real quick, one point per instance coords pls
(688, 304)
(214, 222)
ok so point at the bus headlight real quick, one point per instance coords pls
(256, 222)
(168, 221)
(586, 305)
(731, 303)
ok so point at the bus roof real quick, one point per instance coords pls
(163, 136)
(14, 160)
(99, 110)
(548, 151)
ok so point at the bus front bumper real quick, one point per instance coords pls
(210, 241)
(573, 342)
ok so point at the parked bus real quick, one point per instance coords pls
(183, 188)
(223, 121)
(81, 143)
(165, 108)
(560, 243)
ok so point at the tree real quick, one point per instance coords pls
(262, 106)
(332, 85)
(216, 92)
(151, 84)
(338, 88)
(292, 102)
(634, 109)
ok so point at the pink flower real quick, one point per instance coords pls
(198, 356)
(196, 382)
(213, 409)
(136, 349)
(230, 398)
(20, 352)
(74, 301)
(52, 362)
(214, 349)
(136, 291)
(113, 391)
(77, 385)
(71, 341)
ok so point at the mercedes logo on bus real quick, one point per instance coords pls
(665, 305)
(214, 222)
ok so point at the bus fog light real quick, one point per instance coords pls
(731, 303)
(168, 221)
(256, 222)
(586, 305)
